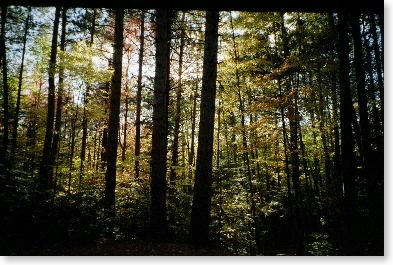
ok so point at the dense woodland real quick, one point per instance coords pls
(188, 132)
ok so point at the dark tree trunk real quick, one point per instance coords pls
(294, 152)
(114, 112)
(92, 163)
(125, 128)
(378, 59)
(59, 107)
(72, 147)
(139, 97)
(193, 120)
(158, 211)
(104, 141)
(201, 204)
(3, 57)
(323, 131)
(348, 169)
(99, 151)
(45, 179)
(84, 134)
(104, 149)
(333, 77)
(304, 159)
(363, 102)
(285, 140)
(20, 81)
(179, 89)
(284, 130)
(337, 153)
(246, 158)
(31, 134)
(371, 94)
(85, 102)
(373, 173)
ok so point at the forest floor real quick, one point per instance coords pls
(137, 248)
(140, 247)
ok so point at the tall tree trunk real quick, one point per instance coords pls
(72, 147)
(20, 81)
(337, 180)
(246, 157)
(60, 91)
(114, 112)
(125, 128)
(348, 169)
(284, 130)
(323, 131)
(373, 173)
(218, 169)
(378, 59)
(104, 141)
(179, 90)
(85, 102)
(371, 94)
(93, 162)
(201, 204)
(362, 102)
(31, 134)
(99, 150)
(139, 97)
(285, 140)
(304, 159)
(193, 120)
(45, 179)
(158, 211)
(3, 57)
(337, 152)
(294, 152)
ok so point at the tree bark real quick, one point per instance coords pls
(294, 152)
(139, 97)
(20, 81)
(373, 169)
(378, 60)
(45, 180)
(201, 204)
(72, 147)
(348, 169)
(193, 121)
(179, 90)
(60, 91)
(158, 185)
(3, 57)
(246, 158)
(362, 102)
(371, 94)
(85, 102)
(114, 112)
(104, 141)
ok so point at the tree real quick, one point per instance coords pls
(45, 179)
(201, 203)
(3, 55)
(293, 148)
(179, 88)
(347, 160)
(86, 100)
(60, 91)
(139, 96)
(158, 186)
(20, 81)
(114, 112)
(362, 100)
